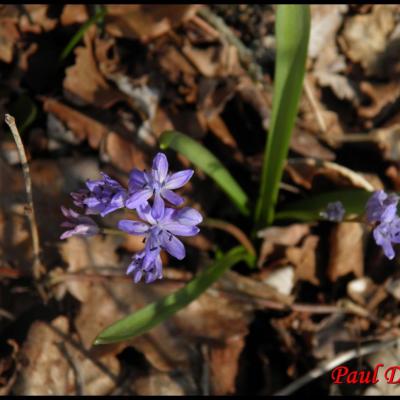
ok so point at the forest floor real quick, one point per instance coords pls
(101, 104)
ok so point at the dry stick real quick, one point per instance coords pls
(38, 268)
(233, 230)
(314, 105)
(331, 364)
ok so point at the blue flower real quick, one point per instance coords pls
(386, 233)
(381, 207)
(142, 186)
(81, 225)
(333, 212)
(160, 232)
(147, 264)
(106, 195)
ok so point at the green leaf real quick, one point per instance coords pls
(205, 160)
(151, 315)
(292, 33)
(100, 13)
(24, 111)
(308, 209)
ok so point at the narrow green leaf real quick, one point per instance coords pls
(308, 209)
(24, 110)
(205, 160)
(292, 34)
(155, 313)
(100, 13)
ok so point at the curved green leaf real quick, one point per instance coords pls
(308, 209)
(205, 160)
(100, 13)
(155, 313)
(292, 33)
(25, 111)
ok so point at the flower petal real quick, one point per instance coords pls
(160, 167)
(67, 234)
(157, 210)
(188, 216)
(133, 227)
(137, 179)
(138, 198)
(172, 197)
(181, 230)
(178, 179)
(382, 238)
(144, 212)
(173, 245)
(117, 202)
(137, 276)
(93, 184)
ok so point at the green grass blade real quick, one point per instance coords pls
(100, 13)
(308, 209)
(25, 111)
(292, 34)
(151, 315)
(205, 160)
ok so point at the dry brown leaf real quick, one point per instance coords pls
(346, 250)
(329, 64)
(54, 367)
(281, 236)
(38, 14)
(86, 255)
(214, 61)
(213, 94)
(381, 97)
(304, 259)
(167, 345)
(308, 145)
(364, 37)
(146, 21)
(218, 127)
(123, 153)
(74, 14)
(316, 119)
(8, 37)
(158, 383)
(249, 288)
(83, 126)
(83, 80)
(305, 170)
(224, 365)
(325, 22)
(114, 300)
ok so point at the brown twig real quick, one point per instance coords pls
(38, 268)
(314, 104)
(233, 230)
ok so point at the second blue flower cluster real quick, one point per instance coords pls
(381, 209)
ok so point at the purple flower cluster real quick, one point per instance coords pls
(159, 223)
(381, 209)
(334, 212)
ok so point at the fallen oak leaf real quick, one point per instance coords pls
(121, 152)
(84, 81)
(146, 21)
